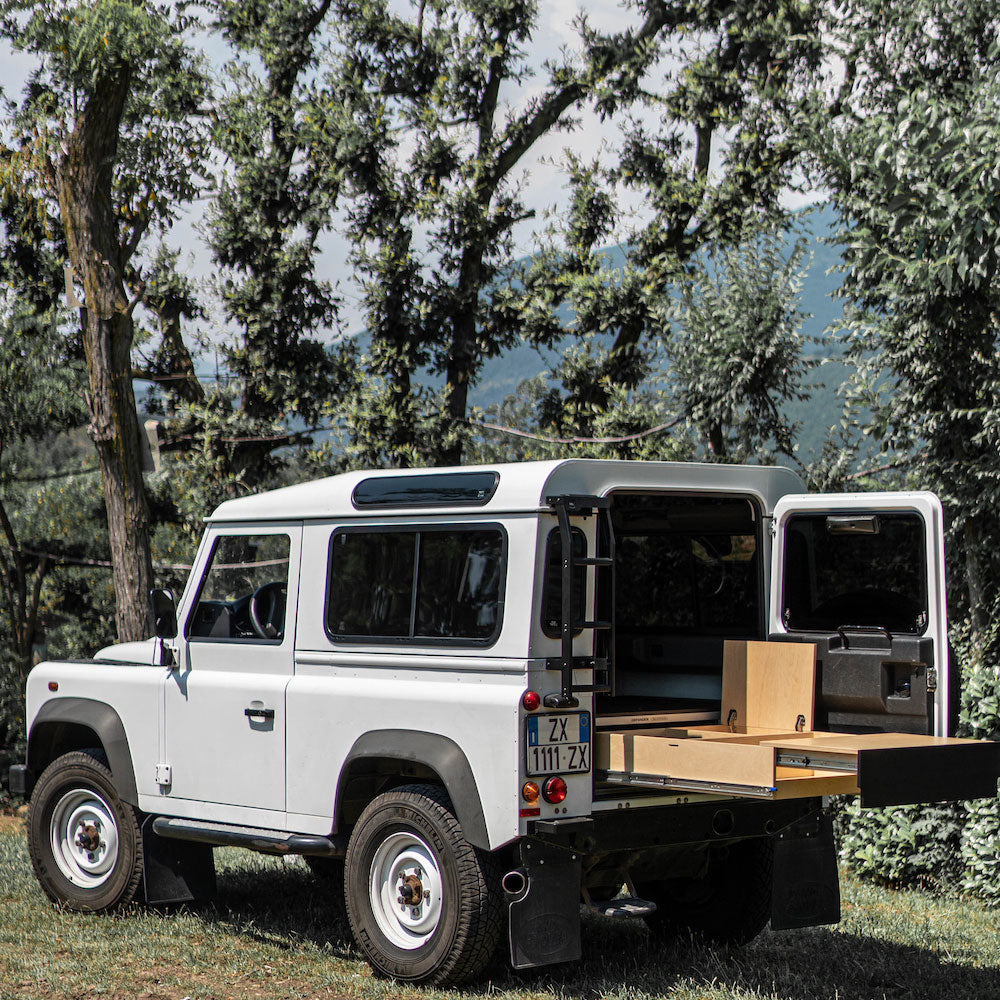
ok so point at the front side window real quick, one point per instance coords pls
(419, 585)
(866, 570)
(244, 590)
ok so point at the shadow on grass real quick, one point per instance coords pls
(290, 907)
(283, 907)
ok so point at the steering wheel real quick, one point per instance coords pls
(267, 609)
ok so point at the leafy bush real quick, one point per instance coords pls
(916, 845)
(980, 845)
(947, 845)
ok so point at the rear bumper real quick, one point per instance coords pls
(662, 826)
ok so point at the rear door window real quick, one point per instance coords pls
(866, 570)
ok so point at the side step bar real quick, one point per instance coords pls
(253, 838)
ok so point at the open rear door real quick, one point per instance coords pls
(862, 576)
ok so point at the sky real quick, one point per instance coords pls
(543, 181)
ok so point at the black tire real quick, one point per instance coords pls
(729, 904)
(451, 935)
(75, 798)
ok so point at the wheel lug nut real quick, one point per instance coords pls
(427, 894)
(399, 899)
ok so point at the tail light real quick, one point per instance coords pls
(554, 790)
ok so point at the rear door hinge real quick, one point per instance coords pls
(932, 678)
(163, 774)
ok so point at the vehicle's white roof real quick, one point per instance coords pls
(522, 487)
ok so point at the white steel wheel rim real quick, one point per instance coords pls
(400, 856)
(84, 838)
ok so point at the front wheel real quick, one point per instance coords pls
(424, 905)
(84, 842)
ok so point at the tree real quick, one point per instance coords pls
(723, 357)
(272, 206)
(37, 379)
(105, 133)
(736, 353)
(709, 174)
(912, 167)
(431, 131)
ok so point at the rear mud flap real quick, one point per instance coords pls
(544, 919)
(806, 887)
(175, 871)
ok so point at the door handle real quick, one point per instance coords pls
(261, 713)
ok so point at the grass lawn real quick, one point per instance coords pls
(272, 933)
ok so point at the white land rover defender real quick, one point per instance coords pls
(484, 696)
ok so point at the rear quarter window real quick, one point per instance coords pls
(418, 585)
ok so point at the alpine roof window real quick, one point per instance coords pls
(437, 489)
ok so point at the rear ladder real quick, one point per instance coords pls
(601, 663)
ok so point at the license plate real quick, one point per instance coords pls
(558, 744)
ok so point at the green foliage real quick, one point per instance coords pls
(736, 353)
(728, 99)
(912, 169)
(910, 159)
(980, 719)
(950, 845)
(904, 845)
(273, 203)
(162, 142)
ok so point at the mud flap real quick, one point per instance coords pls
(806, 884)
(544, 919)
(175, 871)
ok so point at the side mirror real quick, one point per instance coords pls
(164, 613)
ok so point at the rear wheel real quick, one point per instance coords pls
(424, 905)
(730, 903)
(85, 843)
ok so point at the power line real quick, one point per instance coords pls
(83, 471)
(658, 429)
(95, 563)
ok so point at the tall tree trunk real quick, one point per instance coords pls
(84, 186)
(463, 358)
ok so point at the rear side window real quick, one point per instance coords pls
(435, 584)
(867, 570)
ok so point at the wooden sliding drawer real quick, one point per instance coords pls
(886, 768)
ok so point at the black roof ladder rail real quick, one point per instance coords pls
(566, 506)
